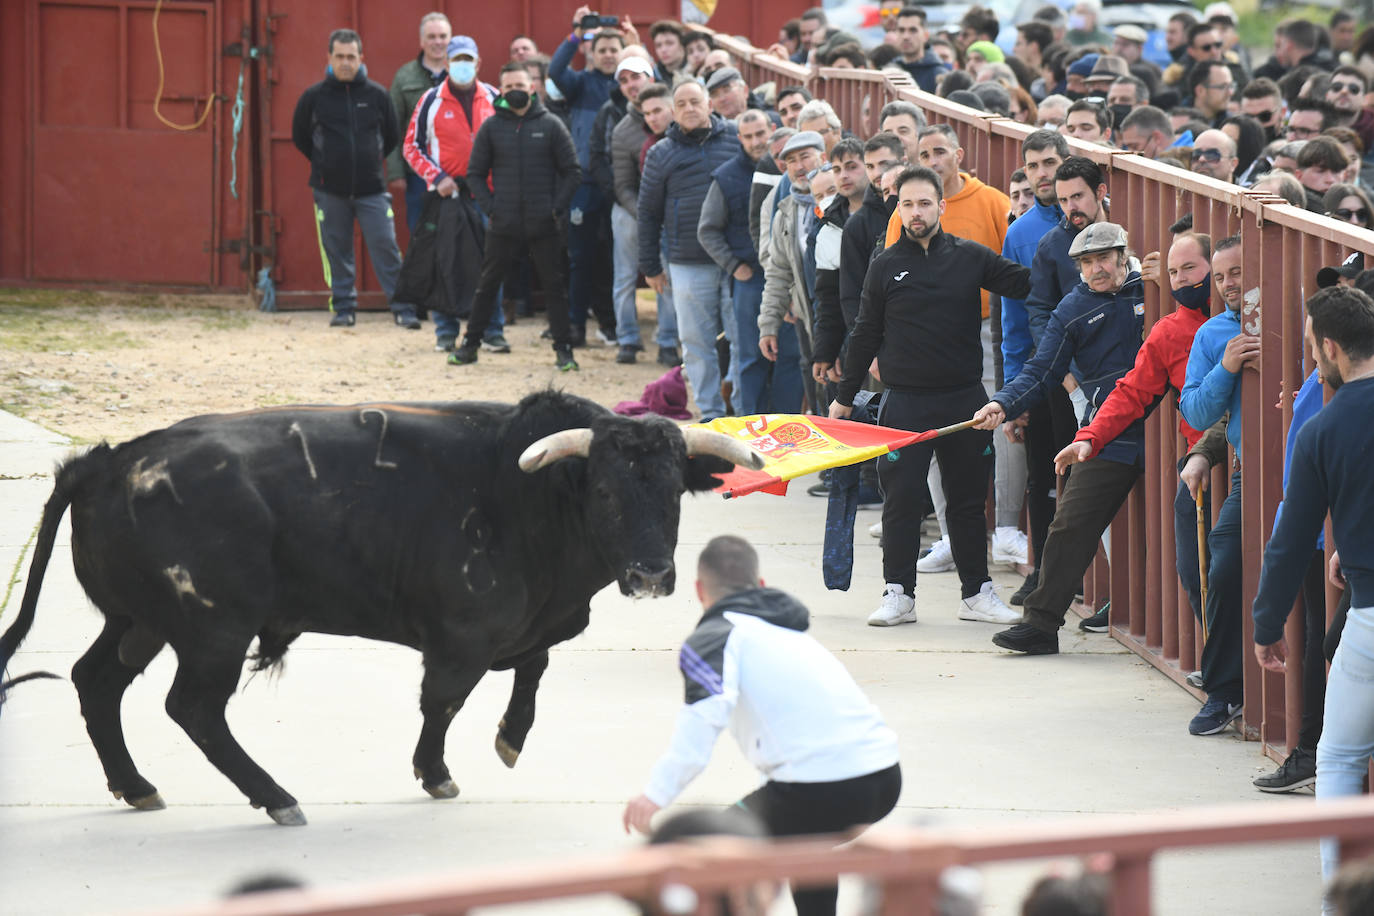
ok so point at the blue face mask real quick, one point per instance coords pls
(551, 90)
(1195, 296)
(463, 72)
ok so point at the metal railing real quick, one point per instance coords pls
(904, 864)
(1283, 247)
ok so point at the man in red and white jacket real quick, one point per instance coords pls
(1160, 365)
(437, 146)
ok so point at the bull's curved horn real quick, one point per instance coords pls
(710, 442)
(565, 444)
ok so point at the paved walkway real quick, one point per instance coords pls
(987, 738)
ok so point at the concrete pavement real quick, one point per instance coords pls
(986, 738)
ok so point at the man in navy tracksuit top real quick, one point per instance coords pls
(921, 315)
(1330, 472)
(1099, 325)
(797, 714)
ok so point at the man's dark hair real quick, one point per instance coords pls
(345, 37)
(693, 35)
(1057, 895)
(1329, 113)
(1183, 224)
(667, 25)
(1080, 167)
(1291, 83)
(1039, 140)
(1324, 153)
(1051, 15)
(908, 11)
(606, 34)
(982, 21)
(816, 14)
(955, 81)
(1018, 175)
(882, 55)
(885, 139)
(654, 91)
(730, 563)
(1261, 87)
(902, 107)
(1186, 111)
(1036, 33)
(1204, 241)
(794, 90)
(945, 130)
(512, 66)
(1300, 32)
(792, 29)
(1346, 316)
(1202, 73)
(994, 97)
(919, 173)
(1338, 19)
(1149, 119)
(1100, 112)
(849, 51)
(538, 60)
(1199, 28)
(849, 146)
(1347, 70)
(1184, 18)
(1142, 91)
(1226, 244)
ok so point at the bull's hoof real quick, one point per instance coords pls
(152, 802)
(446, 789)
(506, 752)
(288, 817)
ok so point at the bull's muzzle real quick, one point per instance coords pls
(643, 581)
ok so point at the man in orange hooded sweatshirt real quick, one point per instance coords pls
(977, 212)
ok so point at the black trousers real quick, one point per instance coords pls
(804, 808)
(1052, 426)
(1313, 658)
(1095, 491)
(500, 253)
(965, 463)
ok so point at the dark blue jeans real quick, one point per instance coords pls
(1221, 657)
(590, 264)
(765, 387)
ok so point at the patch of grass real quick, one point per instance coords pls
(224, 320)
(48, 330)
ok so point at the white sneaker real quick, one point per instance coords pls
(987, 607)
(875, 530)
(1009, 546)
(940, 558)
(896, 607)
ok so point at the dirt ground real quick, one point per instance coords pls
(110, 366)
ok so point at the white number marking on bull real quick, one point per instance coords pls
(180, 577)
(295, 430)
(377, 462)
(143, 481)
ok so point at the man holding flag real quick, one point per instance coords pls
(921, 315)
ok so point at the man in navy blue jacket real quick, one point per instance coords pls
(1099, 325)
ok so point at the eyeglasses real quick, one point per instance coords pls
(1206, 155)
(1302, 133)
(826, 167)
(1352, 88)
(1351, 216)
(1211, 46)
(1219, 85)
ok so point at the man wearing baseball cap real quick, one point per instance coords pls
(1098, 326)
(1343, 274)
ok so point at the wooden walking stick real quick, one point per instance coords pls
(1202, 560)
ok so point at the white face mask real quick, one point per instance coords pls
(551, 90)
(824, 203)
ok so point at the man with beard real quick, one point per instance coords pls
(916, 59)
(1221, 348)
(1098, 325)
(921, 316)
(1329, 472)
(1161, 365)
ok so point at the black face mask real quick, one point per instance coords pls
(1119, 113)
(890, 204)
(1195, 296)
(516, 98)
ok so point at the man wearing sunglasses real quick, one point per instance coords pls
(1261, 100)
(1214, 155)
(1346, 94)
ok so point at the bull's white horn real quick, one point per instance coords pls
(565, 444)
(710, 442)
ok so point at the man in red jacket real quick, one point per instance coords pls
(1159, 366)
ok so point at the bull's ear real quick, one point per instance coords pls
(701, 473)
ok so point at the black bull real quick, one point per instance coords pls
(476, 533)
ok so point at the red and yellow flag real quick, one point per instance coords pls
(794, 444)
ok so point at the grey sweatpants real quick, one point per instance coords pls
(334, 216)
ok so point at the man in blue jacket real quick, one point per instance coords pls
(590, 267)
(1221, 348)
(677, 174)
(1099, 325)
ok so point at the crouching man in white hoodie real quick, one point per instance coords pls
(829, 759)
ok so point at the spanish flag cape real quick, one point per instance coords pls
(794, 444)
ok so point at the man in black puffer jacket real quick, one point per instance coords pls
(677, 174)
(345, 125)
(529, 157)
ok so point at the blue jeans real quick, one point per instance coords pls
(1221, 657)
(415, 199)
(1348, 734)
(701, 294)
(764, 387)
(1185, 544)
(625, 231)
(666, 333)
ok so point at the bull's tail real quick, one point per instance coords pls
(32, 675)
(69, 475)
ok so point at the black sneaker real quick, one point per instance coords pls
(819, 489)
(563, 359)
(1214, 716)
(465, 355)
(667, 356)
(1297, 772)
(625, 355)
(578, 335)
(496, 343)
(406, 319)
(1022, 637)
(1031, 584)
(1098, 622)
(342, 320)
